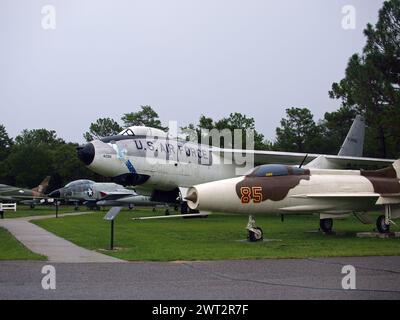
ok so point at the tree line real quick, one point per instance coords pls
(371, 87)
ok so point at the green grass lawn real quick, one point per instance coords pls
(220, 236)
(26, 211)
(12, 249)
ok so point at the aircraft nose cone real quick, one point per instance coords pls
(86, 153)
(55, 194)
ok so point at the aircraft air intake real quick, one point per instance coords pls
(86, 153)
(55, 194)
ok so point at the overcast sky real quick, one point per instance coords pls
(185, 58)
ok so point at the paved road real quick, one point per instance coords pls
(376, 278)
(55, 248)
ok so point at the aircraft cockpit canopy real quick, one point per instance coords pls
(276, 170)
(142, 131)
(127, 132)
(78, 183)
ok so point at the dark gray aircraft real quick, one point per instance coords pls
(94, 194)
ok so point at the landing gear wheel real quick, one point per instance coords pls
(257, 235)
(32, 206)
(326, 225)
(167, 212)
(186, 210)
(381, 225)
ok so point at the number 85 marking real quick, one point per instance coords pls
(247, 194)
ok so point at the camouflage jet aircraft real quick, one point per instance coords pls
(280, 189)
(27, 196)
(94, 194)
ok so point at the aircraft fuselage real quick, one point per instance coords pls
(160, 164)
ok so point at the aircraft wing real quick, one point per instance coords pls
(289, 158)
(349, 157)
(21, 197)
(267, 157)
(341, 162)
(116, 195)
(6, 198)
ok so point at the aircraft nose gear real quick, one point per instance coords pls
(381, 225)
(255, 233)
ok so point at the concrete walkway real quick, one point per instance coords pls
(56, 249)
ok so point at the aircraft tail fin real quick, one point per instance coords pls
(353, 145)
(41, 188)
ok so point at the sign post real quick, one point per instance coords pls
(112, 236)
(110, 216)
(57, 204)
